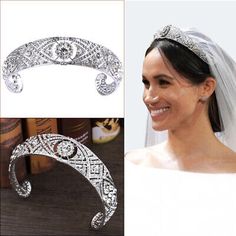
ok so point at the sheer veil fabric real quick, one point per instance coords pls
(223, 68)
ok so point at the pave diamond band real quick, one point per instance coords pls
(173, 33)
(76, 155)
(64, 51)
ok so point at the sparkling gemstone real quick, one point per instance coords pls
(28, 53)
(34, 142)
(64, 50)
(65, 148)
(165, 31)
(14, 83)
(95, 168)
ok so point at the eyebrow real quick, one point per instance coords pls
(159, 77)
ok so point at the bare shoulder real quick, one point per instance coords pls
(145, 156)
(229, 162)
(223, 160)
(137, 156)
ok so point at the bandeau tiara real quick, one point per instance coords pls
(175, 34)
(64, 51)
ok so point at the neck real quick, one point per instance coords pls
(191, 146)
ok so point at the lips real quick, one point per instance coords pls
(159, 111)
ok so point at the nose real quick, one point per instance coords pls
(150, 96)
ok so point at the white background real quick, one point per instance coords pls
(143, 19)
(55, 90)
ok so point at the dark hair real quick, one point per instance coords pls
(186, 63)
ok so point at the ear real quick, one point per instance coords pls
(207, 88)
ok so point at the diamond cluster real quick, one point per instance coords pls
(64, 50)
(175, 34)
(65, 149)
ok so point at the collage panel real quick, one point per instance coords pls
(150, 18)
(66, 56)
(66, 176)
(180, 140)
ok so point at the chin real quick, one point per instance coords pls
(159, 127)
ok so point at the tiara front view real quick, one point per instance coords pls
(76, 155)
(175, 34)
(64, 51)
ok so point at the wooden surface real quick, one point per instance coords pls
(62, 202)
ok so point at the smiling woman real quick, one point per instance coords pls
(189, 91)
(189, 68)
(170, 99)
(180, 95)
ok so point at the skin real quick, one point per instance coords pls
(180, 107)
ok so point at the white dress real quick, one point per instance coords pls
(164, 202)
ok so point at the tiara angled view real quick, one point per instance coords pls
(175, 34)
(70, 152)
(64, 51)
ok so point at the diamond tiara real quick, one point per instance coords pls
(74, 154)
(175, 34)
(64, 51)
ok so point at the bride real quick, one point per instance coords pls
(190, 91)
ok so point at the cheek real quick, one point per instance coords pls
(185, 100)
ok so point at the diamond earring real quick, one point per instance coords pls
(203, 98)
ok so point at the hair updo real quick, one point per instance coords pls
(186, 63)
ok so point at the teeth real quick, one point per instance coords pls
(159, 111)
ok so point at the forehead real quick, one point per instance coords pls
(154, 64)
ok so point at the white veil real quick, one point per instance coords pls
(223, 68)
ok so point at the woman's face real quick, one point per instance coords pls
(172, 100)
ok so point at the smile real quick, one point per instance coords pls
(159, 111)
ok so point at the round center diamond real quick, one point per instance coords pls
(64, 50)
(65, 148)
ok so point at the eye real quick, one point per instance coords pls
(146, 83)
(163, 82)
